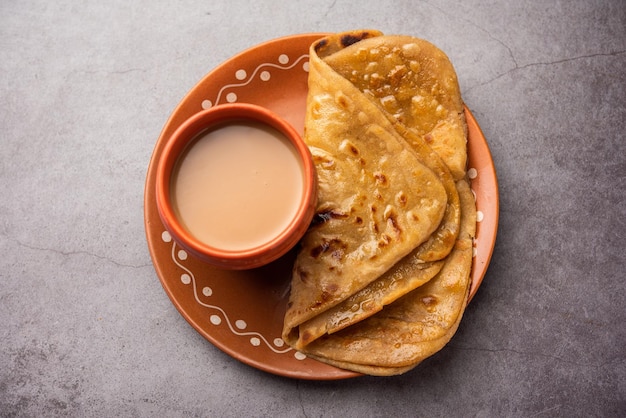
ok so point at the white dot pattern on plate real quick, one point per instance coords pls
(237, 327)
(299, 356)
(231, 97)
(245, 77)
(185, 278)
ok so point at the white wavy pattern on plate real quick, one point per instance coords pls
(236, 327)
(241, 74)
(188, 277)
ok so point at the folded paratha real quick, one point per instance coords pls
(360, 81)
(403, 277)
(415, 326)
(417, 267)
(400, 74)
(377, 200)
(412, 81)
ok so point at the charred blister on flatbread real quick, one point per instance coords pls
(326, 215)
(335, 247)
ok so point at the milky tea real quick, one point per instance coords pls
(237, 186)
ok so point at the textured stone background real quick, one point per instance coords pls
(86, 328)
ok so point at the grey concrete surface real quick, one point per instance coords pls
(86, 328)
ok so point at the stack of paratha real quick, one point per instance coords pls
(382, 277)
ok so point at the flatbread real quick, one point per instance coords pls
(399, 74)
(403, 277)
(422, 263)
(375, 315)
(413, 82)
(414, 327)
(377, 200)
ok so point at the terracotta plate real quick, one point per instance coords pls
(242, 312)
